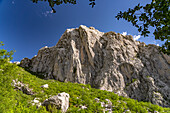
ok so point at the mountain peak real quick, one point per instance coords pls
(107, 61)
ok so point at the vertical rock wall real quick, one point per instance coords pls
(108, 61)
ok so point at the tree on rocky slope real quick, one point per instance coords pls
(155, 14)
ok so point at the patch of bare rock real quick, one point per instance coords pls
(22, 87)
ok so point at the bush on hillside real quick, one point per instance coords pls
(4, 54)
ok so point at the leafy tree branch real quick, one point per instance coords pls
(4, 54)
(155, 14)
(59, 2)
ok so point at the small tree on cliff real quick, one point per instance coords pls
(155, 14)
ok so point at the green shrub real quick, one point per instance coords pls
(4, 54)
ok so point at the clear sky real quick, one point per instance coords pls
(27, 27)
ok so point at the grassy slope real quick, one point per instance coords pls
(12, 101)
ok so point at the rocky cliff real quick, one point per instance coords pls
(108, 61)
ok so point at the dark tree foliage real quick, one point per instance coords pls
(155, 14)
(59, 2)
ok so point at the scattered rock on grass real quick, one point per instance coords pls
(83, 107)
(36, 102)
(60, 101)
(22, 87)
(45, 86)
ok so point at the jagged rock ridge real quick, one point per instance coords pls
(108, 61)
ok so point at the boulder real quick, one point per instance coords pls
(60, 101)
(45, 86)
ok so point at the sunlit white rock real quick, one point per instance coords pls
(45, 86)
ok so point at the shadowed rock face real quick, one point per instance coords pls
(108, 61)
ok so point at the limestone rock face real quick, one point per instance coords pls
(60, 101)
(108, 61)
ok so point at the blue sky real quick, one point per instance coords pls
(27, 27)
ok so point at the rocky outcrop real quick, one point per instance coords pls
(22, 87)
(60, 101)
(108, 61)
